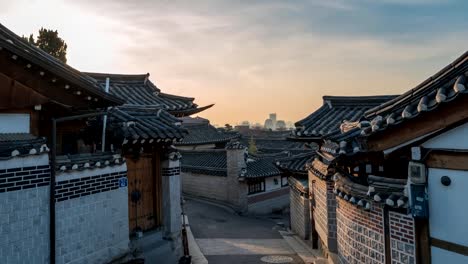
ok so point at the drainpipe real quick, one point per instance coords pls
(53, 163)
(104, 122)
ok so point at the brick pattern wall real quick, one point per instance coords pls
(92, 229)
(171, 171)
(24, 226)
(15, 179)
(300, 216)
(331, 204)
(321, 210)
(75, 188)
(360, 234)
(24, 209)
(402, 237)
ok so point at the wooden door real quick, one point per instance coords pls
(142, 177)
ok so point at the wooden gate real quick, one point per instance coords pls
(144, 176)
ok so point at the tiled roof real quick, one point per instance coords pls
(140, 124)
(21, 144)
(380, 190)
(262, 167)
(274, 145)
(87, 161)
(137, 89)
(299, 184)
(441, 88)
(38, 58)
(205, 134)
(208, 162)
(296, 163)
(335, 109)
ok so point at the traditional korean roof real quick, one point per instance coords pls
(275, 145)
(137, 89)
(261, 167)
(87, 161)
(333, 112)
(21, 144)
(296, 163)
(199, 134)
(47, 66)
(439, 89)
(299, 184)
(140, 124)
(208, 162)
(380, 190)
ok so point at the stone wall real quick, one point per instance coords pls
(324, 211)
(207, 186)
(268, 202)
(402, 237)
(91, 215)
(360, 234)
(300, 214)
(24, 209)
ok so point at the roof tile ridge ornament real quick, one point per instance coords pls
(235, 145)
(459, 85)
(146, 78)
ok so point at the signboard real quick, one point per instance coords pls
(123, 182)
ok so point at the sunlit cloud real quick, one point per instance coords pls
(256, 57)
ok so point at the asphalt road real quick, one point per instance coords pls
(226, 238)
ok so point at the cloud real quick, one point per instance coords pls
(274, 55)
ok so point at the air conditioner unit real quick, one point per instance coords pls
(416, 173)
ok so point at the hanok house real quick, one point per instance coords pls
(230, 176)
(146, 127)
(80, 216)
(313, 129)
(401, 174)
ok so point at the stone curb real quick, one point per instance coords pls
(308, 255)
(194, 249)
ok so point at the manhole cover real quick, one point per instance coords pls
(277, 259)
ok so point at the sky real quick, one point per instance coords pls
(255, 57)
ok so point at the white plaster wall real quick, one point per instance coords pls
(27, 161)
(77, 174)
(270, 183)
(456, 138)
(440, 256)
(24, 226)
(448, 207)
(93, 228)
(17, 123)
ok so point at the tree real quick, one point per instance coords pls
(49, 41)
(228, 127)
(252, 146)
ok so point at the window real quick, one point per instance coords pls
(14, 123)
(284, 181)
(256, 186)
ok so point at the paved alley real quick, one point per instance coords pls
(226, 238)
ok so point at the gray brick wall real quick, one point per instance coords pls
(24, 210)
(91, 216)
(300, 215)
(92, 228)
(24, 226)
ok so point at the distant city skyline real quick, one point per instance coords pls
(252, 58)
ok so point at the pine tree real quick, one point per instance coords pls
(49, 41)
(252, 146)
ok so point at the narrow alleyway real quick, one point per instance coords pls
(226, 238)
